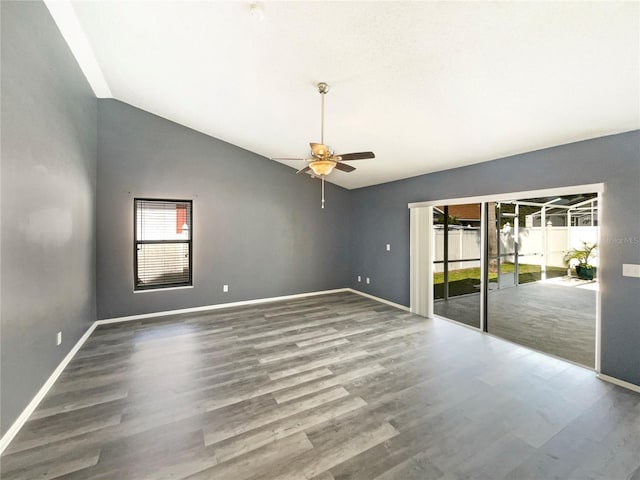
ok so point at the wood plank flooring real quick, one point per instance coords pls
(322, 388)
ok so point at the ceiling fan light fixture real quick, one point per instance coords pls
(322, 167)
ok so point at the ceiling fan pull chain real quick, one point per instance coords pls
(322, 191)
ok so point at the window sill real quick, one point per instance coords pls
(162, 289)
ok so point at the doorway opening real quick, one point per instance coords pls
(457, 250)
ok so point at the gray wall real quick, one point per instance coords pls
(258, 227)
(48, 150)
(380, 216)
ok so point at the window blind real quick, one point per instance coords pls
(162, 243)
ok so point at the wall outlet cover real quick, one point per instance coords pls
(630, 270)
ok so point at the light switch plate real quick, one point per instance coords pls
(630, 270)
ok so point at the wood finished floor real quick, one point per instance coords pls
(327, 387)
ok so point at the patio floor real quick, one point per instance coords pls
(556, 316)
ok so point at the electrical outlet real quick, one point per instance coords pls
(388, 247)
(59, 338)
(225, 288)
(359, 278)
(368, 280)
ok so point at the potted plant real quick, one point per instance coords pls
(580, 258)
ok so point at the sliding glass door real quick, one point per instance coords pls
(505, 267)
(534, 297)
(457, 280)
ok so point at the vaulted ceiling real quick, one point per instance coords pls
(427, 86)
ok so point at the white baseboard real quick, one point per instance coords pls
(26, 413)
(381, 300)
(217, 306)
(620, 383)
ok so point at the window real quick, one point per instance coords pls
(162, 243)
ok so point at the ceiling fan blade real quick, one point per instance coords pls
(304, 170)
(319, 149)
(288, 159)
(355, 156)
(344, 167)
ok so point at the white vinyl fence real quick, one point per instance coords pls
(463, 243)
(553, 242)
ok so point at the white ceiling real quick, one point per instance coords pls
(425, 85)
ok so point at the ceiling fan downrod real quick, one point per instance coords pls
(323, 88)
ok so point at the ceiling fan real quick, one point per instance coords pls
(323, 160)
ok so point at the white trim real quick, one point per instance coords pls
(65, 17)
(498, 197)
(421, 261)
(217, 306)
(598, 350)
(484, 240)
(621, 383)
(162, 289)
(378, 299)
(33, 404)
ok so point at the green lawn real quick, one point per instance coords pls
(467, 280)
